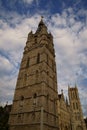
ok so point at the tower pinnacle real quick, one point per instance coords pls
(42, 17)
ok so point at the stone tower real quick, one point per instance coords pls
(35, 99)
(76, 110)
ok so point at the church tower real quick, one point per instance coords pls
(77, 120)
(35, 99)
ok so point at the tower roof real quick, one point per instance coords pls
(41, 26)
(41, 22)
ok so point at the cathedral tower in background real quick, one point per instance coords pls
(76, 109)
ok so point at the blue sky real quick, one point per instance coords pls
(66, 20)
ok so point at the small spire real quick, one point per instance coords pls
(41, 26)
(75, 85)
(62, 91)
(68, 86)
(41, 21)
(66, 101)
(42, 18)
(7, 103)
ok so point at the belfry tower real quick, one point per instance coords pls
(35, 99)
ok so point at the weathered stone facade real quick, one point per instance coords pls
(63, 113)
(36, 104)
(35, 99)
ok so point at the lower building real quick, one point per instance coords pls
(70, 111)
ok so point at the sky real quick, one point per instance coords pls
(66, 20)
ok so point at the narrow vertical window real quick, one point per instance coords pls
(53, 82)
(35, 95)
(72, 94)
(76, 95)
(47, 58)
(47, 102)
(38, 58)
(73, 106)
(37, 76)
(76, 105)
(21, 103)
(34, 99)
(52, 65)
(28, 62)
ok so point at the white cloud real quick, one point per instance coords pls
(28, 1)
(70, 39)
(5, 65)
(31, 1)
(13, 40)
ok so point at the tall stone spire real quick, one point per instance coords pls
(41, 27)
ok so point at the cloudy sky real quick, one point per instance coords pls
(66, 20)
